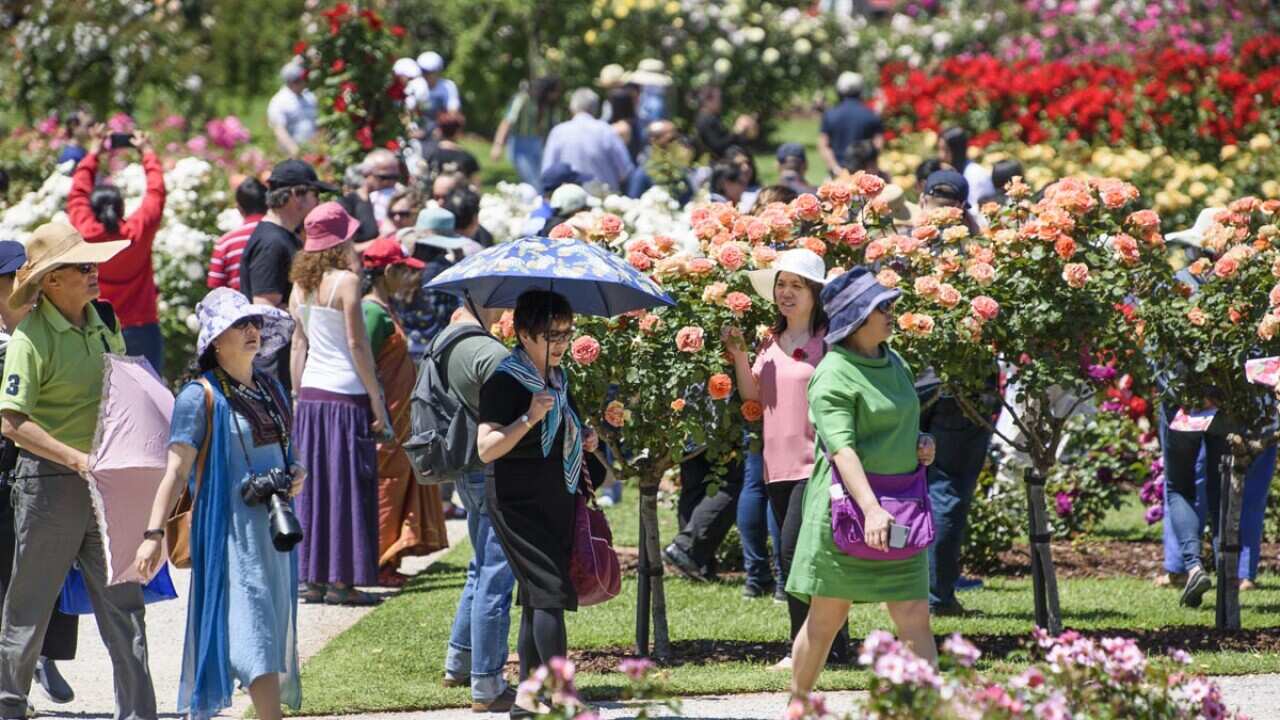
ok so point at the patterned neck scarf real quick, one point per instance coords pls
(258, 406)
(519, 366)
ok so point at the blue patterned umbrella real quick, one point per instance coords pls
(592, 279)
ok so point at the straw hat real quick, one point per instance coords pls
(903, 213)
(611, 76)
(651, 71)
(51, 246)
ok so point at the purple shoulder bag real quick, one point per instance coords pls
(905, 497)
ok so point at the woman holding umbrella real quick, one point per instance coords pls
(535, 445)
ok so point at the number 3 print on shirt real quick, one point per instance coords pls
(12, 386)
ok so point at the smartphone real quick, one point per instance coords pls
(121, 140)
(897, 536)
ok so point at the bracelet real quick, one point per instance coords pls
(153, 534)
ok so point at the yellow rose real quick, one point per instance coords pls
(672, 8)
(589, 37)
(1261, 141)
(608, 24)
(1164, 201)
(1228, 152)
(1271, 189)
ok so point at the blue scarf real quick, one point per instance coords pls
(207, 686)
(519, 366)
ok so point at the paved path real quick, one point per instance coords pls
(90, 672)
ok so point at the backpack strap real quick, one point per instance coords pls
(443, 343)
(208, 435)
(107, 312)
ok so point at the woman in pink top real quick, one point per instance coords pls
(779, 380)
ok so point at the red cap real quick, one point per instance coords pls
(385, 252)
(328, 225)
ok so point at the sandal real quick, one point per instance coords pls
(311, 593)
(389, 577)
(350, 597)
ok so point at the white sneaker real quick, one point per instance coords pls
(783, 665)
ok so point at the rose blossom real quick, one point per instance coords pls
(915, 323)
(1268, 327)
(1226, 267)
(677, 404)
(814, 245)
(689, 339)
(1065, 247)
(876, 249)
(925, 233)
(806, 207)
(1274, 295)
(639, 260)
(836, 193)
(731, 256)
(955, 234)
(738, 303)
(561, 232)
(752, 411)
(905, 244)
(610, 225)
(763, 255)
(700, 266)
(1196, 316)
(982, 273)
(615, 414)
(757, 230)
(1075, 274)
(649, 322)
(927, 286)
(866, 184)
(714, 293)
(585, 350)
(1127, 248)
(948, 295)
(1145, 220)
(1199, 267)
(888, 278)
(985, 307)
(664, 243)
(719, 386)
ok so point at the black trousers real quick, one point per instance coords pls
(61, 638)
(705, 519)
(786, 499)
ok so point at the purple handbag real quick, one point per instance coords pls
(905, 497)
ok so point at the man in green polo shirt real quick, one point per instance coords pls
(49, 395)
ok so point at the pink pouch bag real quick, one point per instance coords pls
(905, 497)
(593, 565)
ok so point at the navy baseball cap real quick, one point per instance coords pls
(560, 173)
(294, 173)
(790, 150)
(947, 185)
(12, 256)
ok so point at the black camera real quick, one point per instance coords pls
(272, 489)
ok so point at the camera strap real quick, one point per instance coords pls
(273, 410)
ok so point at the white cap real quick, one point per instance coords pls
(406, 68)
(1194, 235)
(800, 261)
(568, 198)
(431, 62)
(849, 83)
(293, 71)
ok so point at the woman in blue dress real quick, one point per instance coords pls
(228, 423)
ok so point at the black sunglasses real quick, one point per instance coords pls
(82, 268)
(401, 213)
(255, 320)
(560, 336)
(395, 176)
(886, 307)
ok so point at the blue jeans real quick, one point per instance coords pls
(961, 452)
(753, 519)
(1192, 489)
(478, 643)
(146, 340)
(525, 152)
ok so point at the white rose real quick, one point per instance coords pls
(803, 46)
(770, 56)
(754, 34)
(194, 270)
(193, 323)
(720, 46)
(722, 66)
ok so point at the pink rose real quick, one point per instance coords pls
(714, 293)
(927, 286)
(649, 323)
(561, 232)
(1197, 316)
(1127, 248)
(700, 215)
(1116, 193)
(1245, 205)
(806, 207)
(663, 243)
(925, 233)
(615, 413)
(1226, 267)
(700, 266)
(985, 307)
(814, 245)
(731, 257)
(1075, 274)
(1268, 327)
(888, 278)
(639, 260)
(851, 234)
(706, 230)
(1144, 220)
(585, 350)
(877, 249)
(689, 339)
(763, 255)
(757, 230)
(836, 193)
(948, 296)
(1274, 296)
(610, 225)
(916, 324)
(906, 245)
(866, 184)
(738, 303)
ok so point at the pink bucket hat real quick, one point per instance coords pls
(328, 226)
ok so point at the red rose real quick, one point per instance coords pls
(372, 18)
(397, 31)
(340, 103)
(752, 411)
(338, 65)
(299, 47)
(393, 145)
(365, 137)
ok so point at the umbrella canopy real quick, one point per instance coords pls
(592, 279)
(128, 458)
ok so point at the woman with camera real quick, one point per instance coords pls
(340, 410)
(535, 447)
(229, 445)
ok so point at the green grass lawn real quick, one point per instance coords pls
(393, 658)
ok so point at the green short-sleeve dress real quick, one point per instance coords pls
(871, 406)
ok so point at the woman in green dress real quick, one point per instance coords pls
(866, 416)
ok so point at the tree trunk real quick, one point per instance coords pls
(651, 591)
(1044, 580)
(1234, 466)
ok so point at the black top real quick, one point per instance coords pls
(714, 137)
(847, 123)
(362, 210)
(482, 236)
(268, 255)
(502, 401)
(443, 160)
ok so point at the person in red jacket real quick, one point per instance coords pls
(127, 280)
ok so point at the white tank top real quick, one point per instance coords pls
(329, 365)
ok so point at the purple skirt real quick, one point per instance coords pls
(338, 506)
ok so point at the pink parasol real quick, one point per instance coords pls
(130, 449)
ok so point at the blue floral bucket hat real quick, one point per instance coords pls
(849, 299)
(222, 307)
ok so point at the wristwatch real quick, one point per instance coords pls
(527, 422)
(153, 534)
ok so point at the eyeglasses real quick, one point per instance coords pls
(400, 213)
(255, 320)
(560, 337)
(886, 307)
(82, 268)
(389, 176)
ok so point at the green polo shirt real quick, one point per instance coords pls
(53, 373)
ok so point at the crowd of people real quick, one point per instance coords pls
(315, 331)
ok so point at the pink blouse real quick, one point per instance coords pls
(783, 380)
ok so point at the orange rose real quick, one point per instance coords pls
(719, 386)
(615, 414)
(738, 303)
(677, 404)
(815, 245)
(806, 207)
(948, 295)
(752, 411)
(888, 278)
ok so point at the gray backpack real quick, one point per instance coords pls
(443, 440)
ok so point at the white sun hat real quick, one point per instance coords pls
(803, 262)
(431, 61)
(1194, 235)
(407, 68)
